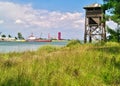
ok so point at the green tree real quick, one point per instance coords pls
(113, 9)
(113, 34)
(3, 35)
(16, 38)
(9, 36)
(20, 36)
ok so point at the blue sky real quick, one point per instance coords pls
(60, 5)
(44, 16)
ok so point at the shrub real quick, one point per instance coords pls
(73, 42)
(100, 43)
(112, 44)
(48, 48)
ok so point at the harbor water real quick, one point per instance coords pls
(6, 47)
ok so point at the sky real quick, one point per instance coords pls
(43, 17)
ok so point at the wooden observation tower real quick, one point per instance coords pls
(94, 24)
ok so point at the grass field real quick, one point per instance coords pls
(75, 64)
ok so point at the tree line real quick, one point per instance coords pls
(19, 36)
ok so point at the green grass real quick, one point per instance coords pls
(75, 64)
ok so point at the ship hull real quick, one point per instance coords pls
(39, 40)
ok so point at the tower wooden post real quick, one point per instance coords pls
(94, 24)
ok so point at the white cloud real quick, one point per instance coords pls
(39, 18)
(18, 21)
(112, 24)
(25, 18)
(1, 21)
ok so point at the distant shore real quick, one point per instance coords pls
(18, 46)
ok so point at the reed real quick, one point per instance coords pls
(75, 64)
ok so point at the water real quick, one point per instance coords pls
(6, 47)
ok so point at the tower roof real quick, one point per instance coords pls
(95, 5)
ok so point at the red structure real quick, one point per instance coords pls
(59, 35)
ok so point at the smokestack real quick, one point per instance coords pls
(59, 35)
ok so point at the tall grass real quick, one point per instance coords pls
(75, 64)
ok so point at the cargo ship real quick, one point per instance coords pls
(32, 38)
